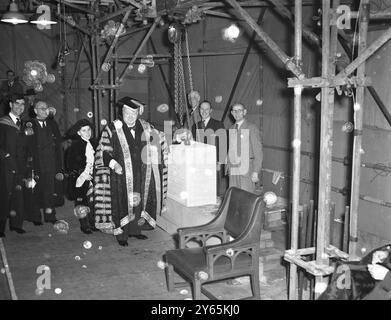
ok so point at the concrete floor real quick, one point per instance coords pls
(106, 270)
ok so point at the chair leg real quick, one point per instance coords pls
(169, 271)
(196, 290)
(255, 285)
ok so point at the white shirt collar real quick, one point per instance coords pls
(13, 117)
(206, 121)
(240, 123)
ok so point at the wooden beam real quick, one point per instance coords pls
(287, 61)
(358, 125)
(114, 14)
(112, 46)
(296, 143)
(365, 54)
(62, 17)
(319, 82)
(141, 46)
(242, 65)
(380, 104)
(71, 5)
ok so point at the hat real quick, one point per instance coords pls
(129, 102)
(16, 96)
(30, 92)
(77, 126)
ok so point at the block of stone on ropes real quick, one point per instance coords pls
(192, 174)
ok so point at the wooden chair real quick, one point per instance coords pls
(241, 217)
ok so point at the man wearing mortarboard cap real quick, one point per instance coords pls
(127, 148)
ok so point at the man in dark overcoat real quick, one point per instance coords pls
(46, 145)
(15, 166)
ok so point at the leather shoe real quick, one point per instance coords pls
(86, 231)
(2, 235)
(123, 243)
(37, 223)
(139, 236)
(17, 230)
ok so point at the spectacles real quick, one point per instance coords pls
(237, 111)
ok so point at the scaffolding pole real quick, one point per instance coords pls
(296, 149)
(358, 126)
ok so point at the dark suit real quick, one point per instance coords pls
(214, 133)
(14, 167)
(48, 161)
(75, 165)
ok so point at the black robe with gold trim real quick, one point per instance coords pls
(144, 163)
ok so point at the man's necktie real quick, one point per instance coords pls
(42, 123)
(202, 125)
(18, 123)
(236, 127)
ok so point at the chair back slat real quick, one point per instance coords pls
(241, 211)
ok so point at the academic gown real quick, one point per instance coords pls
(13, 170)
(116, 211)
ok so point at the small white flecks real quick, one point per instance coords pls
(183, 195)
(161, 264)
(229, 252)
(362, 151)
(90, 114)
(296, 143)
(356, 107)
(270, 198)
(142, 68)
(320, 287)
(347, 127)
(2, 270)
(84, 266)
(259, 102)
(162, 108)
(87, 244)
(100, 248)
(77, 258)
(50, 235)
(203, 275)
(318, 97)
(218, 99)
(184, 292)
(12, 213)
(103, 122)
(363, 250)
(58, 290)
(130, 67)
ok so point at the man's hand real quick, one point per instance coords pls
(254, 177)
(118, 168)
(377, 271)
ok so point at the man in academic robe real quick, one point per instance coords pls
(15, 167)
(130, 196)
(46, 145)
(245, 155)
(212, 131)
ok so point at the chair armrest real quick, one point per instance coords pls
(200, 235)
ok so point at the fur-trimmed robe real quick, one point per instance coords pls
(113, 206)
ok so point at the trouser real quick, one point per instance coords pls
(87, 222)
(16, 215)
(132, 228)
(44, 198)
(242, 182)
